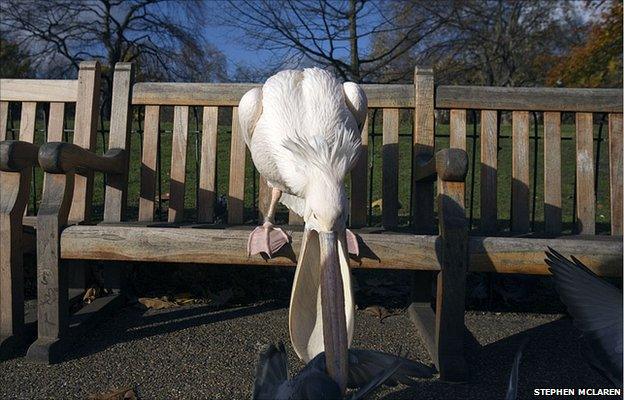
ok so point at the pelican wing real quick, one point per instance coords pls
(356, 101)
(249, 111)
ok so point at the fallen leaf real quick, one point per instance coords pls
(117, 394)
(380, 312)
(156, 304)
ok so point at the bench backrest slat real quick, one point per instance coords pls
(457, 129)
(178, 163)
(55, 122)
(85, 135)
(236, 191)
(390, 165)
(208, 166)
(4, 119)
(359, 183)
(585, 194)
(149, 158)
(520, 172)
(552, 172)
(423, 143)
(27, 121)
(85, 92)
(489, 168)
(116, 195)
(615, 172)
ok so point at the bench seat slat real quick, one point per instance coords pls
(385, 251)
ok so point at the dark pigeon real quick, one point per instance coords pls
(368, 370)
(596, 309)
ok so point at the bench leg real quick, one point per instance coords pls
(52, 277)
(451, 285)
(13, 201)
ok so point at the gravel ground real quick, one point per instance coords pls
(199, 351)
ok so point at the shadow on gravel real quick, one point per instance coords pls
(133, 324)
(551, 359)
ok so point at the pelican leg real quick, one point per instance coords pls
(267, 238)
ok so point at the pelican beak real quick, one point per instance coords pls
(335, 337)
(321, 312)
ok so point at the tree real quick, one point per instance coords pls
(163, 38)
(329, 34)
(490, 42)
(14, 62)
(598, 61)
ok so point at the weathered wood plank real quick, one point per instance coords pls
(585, 194)
(13, 202)
(236, 191)
(38, 90)
(116, 196)
(390, 165)
(552, 172)
(27, 121)
(529, 99)
(229, 94)
(4, 118)
(423, 143)
(489, 167)
(55, 122)
(451, 284)
(359, 183)
(520, 172)
(615, 172)
(399, 96)
(52, 279)
(85, 135)
(178, 164)
(458, 129)
(208, 166)
(148, 163)
(458, 136)
(390, 250)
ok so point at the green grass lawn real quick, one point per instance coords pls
(504, 171)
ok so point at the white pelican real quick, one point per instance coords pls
(303, 131)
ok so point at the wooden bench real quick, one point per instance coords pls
(16, 161)
(443, 255)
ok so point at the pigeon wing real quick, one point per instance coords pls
(271, 372)
(595, 306)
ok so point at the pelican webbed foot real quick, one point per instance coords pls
(266, 239)
(352, 243)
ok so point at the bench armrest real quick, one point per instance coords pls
(450, 165)
(60, 158)
(17, 155)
